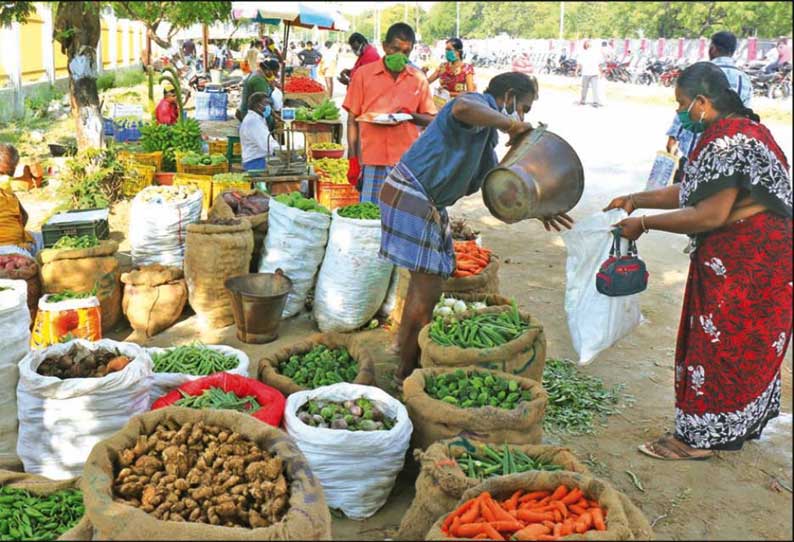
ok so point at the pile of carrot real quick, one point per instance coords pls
(538, 515)
(470, 258)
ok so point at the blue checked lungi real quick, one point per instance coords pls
(372, 178)
(414, 233)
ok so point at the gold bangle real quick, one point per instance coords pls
(512, 124)
(644, 227)
(633, 202)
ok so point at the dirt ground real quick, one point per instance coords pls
(736, 495)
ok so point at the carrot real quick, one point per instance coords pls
(557, 515)
(567, 527)
(587, 519)
(512, 502)
(594, 504)
(562, 508)
(576, 509)
(499, 513)
(546, 537)
(544, 501)
(481, 536)
(492, 533)
(559, 493)
(455, 527)
(583, 503)
(549, 524)
(471, 514)
(486, 512)
(530, 516)
(507, 525)
(470, 530)
(572, 497)
(557, 529)
(531, 532)
(534, 495)
(513, 513)
(598, 518)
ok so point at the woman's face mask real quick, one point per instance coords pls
(450, 56)
(687, 123)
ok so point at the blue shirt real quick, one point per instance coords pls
(740, 82)
(450, 158)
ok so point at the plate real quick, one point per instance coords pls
(384, 119)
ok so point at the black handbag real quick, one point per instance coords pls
(621, 275)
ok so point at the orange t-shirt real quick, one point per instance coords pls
(374, 90)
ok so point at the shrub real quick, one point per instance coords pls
(39, 99)
(130, 78)
(106, 81)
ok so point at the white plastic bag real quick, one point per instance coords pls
(295, 243)
(60, 421)
(15, 339)
(595, 321)
(158, 230)
(357, 469)
(353, 280)
(163, 383)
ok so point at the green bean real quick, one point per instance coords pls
(194, 359)
(24, 515)
(217, 399)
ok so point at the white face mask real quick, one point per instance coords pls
(514, 115)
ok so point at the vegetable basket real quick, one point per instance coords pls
(317, 154)
(144, 176)
(209, 170)
(146, 158)
(333, 195)
(225, 186)
(218, 146)
(202, 182)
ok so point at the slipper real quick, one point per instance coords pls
(676, 452)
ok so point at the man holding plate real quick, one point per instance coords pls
(386, 103)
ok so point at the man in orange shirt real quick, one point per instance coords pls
(387, 86)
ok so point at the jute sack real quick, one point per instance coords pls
(307, 518)
(220, 209)
(441, 482)
(485, 282)
(524, 356)
(619, 525)
(214, 253)
(79, 270)
(39, 485)
(268, 366)
(154, 297)
(436, 420)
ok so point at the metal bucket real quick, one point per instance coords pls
(540, 176)
(258, 300)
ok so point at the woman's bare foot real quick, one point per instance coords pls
(669, 448)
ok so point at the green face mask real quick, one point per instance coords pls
(395, 62)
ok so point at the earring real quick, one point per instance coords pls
(702, 114)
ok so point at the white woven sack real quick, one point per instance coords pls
(357, 469)
(353, 280)
(295, 243)
(15, 339)
(60, 421)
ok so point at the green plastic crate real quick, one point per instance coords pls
(76, 223)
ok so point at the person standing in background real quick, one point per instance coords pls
(328, 66)
(590, 64)
(365, 54)
(721, 50)
(252, 56)
(387, 86)
(456, 76)
(780, 55)
(292, 60)
(254, 133)
(269, 49)
(310, 58)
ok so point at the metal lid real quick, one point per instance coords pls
(507, 194)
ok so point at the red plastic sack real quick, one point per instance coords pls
(271, 400)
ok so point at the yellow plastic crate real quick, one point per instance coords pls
(146, 158)
(143, 176)
(203, 182)
(218, 146)
(219, 187)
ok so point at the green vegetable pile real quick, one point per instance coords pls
(499, 462)
(83, 241)
(24, 516)
(217, 399)
(576, 399)
(361, 211)
(183, 136)
(327, 110)
(476, 389)
(296, 200)
(479, 330)
(230, 178)
(359, 415)
(321, 366)
(196, 159)
(193, 359)
(67, 295)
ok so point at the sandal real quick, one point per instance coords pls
(669, 448)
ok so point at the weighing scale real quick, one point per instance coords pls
(289, 162)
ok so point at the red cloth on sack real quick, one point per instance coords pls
(271, 401)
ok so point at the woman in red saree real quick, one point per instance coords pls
(736, 205)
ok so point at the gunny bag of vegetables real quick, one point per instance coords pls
(41, 488)
(215, 252)
(295, 243)
(622, 520)
(444, 475)
(524, 355)
(60, 419)
(15, 334)
(143, 450)
(470, 275)
(353, 280)
(178, 365)
(83, 270)
(315, 357)
(438, 412)
(158, 223)
(356, 465)
(154, 297)
(251, 204)
(78, 316)
(18, 266)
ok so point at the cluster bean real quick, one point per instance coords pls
(193, 359)
(217, 399)
(500, 462)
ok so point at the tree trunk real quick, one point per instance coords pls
(77, 29)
